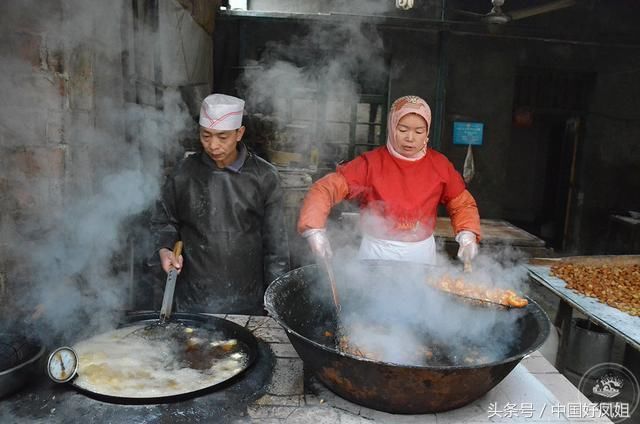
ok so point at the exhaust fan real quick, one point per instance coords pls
(497, 16)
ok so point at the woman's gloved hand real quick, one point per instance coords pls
(468, 245)
(318, 242)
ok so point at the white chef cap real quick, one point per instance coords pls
(221, 112)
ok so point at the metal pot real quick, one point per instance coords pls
(298, 303)
(20, 361)
(219, 329)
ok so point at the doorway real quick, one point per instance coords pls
(559, 181)
(548, 114)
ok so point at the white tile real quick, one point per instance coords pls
(562, 389)
(522, 387)
(313, 415)
(526, 396)
(384, 417)
(538, 365)
(534, 354)
(468, 414)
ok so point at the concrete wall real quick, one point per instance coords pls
(478, 86)
(609, 169)
(413, 64)
(511, 166)
(185, 52)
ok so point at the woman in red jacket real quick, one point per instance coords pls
(398, 187)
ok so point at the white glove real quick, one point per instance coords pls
(318, 241)
(468, 245)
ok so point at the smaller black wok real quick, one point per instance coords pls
(20, 360)
(218, 328)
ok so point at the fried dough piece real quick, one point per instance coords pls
(476, 291)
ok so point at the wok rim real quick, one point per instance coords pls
(138, 317)
(29, 361)
(540, 339)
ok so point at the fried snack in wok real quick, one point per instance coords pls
(428, 354)
(346, 343)
(476, 291)
(379, 342)
(346, 346)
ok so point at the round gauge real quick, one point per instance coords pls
(62, 365)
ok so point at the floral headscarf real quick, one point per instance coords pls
(401, 107)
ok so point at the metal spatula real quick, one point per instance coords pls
(170, 287)
(162, 328)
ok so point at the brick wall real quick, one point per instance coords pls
(74, 71)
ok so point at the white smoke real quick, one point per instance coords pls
(66, 233)
(390, 312)
(313, 78)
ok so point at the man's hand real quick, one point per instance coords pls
(169, 260)
(318, 241)
(468, 246)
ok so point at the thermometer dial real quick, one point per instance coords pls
(62, 365)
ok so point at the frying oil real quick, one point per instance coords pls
(119, 364)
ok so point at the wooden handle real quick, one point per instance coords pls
(177, 249)
(332, 281)
(37, 312)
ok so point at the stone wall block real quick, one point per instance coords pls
(55, 126)
(81, 79)
(38, 162)
(23, 126)
(29, 46)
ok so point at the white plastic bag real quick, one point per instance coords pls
(469, 169)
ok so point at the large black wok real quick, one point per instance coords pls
(218, 328)
(300, 301)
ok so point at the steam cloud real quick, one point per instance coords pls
(391, 313)
(313, 77)
(68, 233)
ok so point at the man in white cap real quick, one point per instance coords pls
(226, 205)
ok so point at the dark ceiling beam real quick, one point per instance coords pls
(467, 28)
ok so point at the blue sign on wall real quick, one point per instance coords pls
(468, 133)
